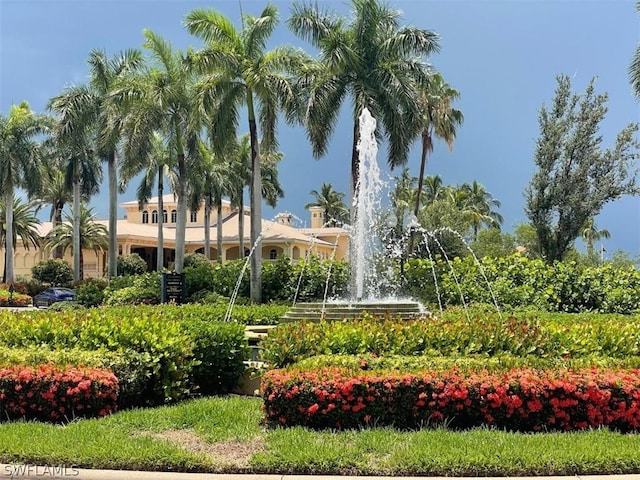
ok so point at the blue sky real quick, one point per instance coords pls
(503, 56)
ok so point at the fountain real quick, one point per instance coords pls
(366, 252)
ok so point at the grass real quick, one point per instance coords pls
(225, 435)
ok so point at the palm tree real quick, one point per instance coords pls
(271, 187)
(237, 70)
(25, 226)
(634, 68)
(591, 234)
(93, 236)
(477, 204)
(373, 60)
(332, 203)
(57, 187)
(161, 100)
(210, 184)
(155, 165)
(73, 143)
(240, 177)
(19, 165)
(433, 188)
(86, 107)
(55, 192)
(439, 120)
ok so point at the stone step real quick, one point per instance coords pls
(316, 311)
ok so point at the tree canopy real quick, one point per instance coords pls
(576, 175)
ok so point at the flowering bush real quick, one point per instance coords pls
(55, 394)
(14, 300)
(521, 399)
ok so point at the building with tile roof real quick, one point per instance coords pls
(138, 233)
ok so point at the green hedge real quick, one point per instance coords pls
(455, 336)
(244, 314)
(178, 356)
(517, 281)
(282, 281)
(466, 364)
(128, 366)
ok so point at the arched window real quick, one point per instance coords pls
(164, 216)
(174, 216)
(194, 217)
(145, 217)
(154, 216)
(273, 254)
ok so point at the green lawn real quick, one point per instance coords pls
(225, 435)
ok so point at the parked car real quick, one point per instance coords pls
(52, 295)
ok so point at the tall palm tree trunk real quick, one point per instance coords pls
(256, 207)
(219, 230)
(160, 252)
(426, 142)
(57, 220)
(4, 272)
(182, 213)
(9, 273)
(241, 224)
(113, 215)
(81, 263)
(426, 147)
(207, 227)
(77, 264)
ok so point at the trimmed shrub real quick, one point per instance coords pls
(90, 292)
(165, 343)
(198, 278)
(130, 264)
(226, 276)
(53, 394)
(142, 289)
(220, 350)
(128, 366)
(66, 305)
(195, 260)
(556, 336)
(166, 351)
(277, 281)
(14, 300)
(522, 400)
(54, 271)
(18, 287)
(205, 297)
(313, 277)
(357, 364)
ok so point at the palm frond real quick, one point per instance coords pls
(259, 30)
(212, 27)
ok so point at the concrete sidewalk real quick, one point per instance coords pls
(35, 472)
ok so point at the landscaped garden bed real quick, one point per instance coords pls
(447, 396)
